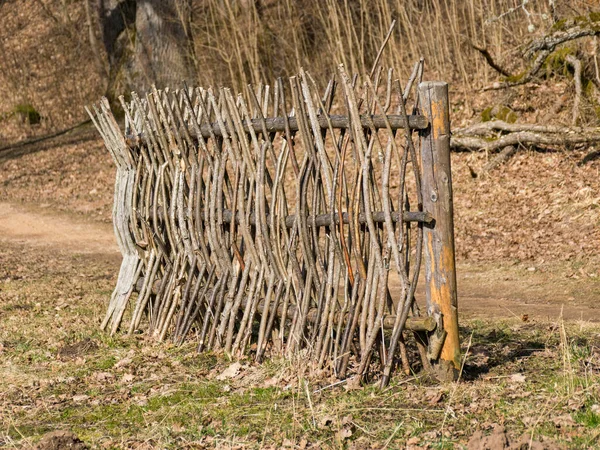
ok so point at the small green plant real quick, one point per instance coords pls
(588, 418)
(557, 61)
(106, 363)
(28, 113)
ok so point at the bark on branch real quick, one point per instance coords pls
(578, 89)
(551, 41)
(490, 60)
(500, 158)
(484, 136)
(486, 128)
(543, 47)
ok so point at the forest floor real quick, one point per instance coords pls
(527, 237)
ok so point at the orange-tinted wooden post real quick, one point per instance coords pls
(438, 243)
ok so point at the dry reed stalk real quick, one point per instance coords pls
(238, 44)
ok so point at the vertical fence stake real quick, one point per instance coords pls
(440, 265)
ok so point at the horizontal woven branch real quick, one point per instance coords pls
(325, 220)
(278, 124)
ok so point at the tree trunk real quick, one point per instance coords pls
(147, 42)
(94, 44)
(162, 51)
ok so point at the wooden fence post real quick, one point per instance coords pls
(440, 265)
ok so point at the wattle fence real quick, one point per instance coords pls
(289, 220)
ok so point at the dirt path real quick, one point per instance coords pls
(485, 292)
(38, 227)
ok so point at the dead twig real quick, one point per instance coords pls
(524, 138)
(501, 158)
(490, 60)
(570, 31)
(578, 90)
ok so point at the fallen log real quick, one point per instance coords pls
(485, 136)
(485, 128)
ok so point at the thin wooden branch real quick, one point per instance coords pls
(578, 90)
(490, 60)
(278, 124)
(524, 77)
(596, 68)
(380, 52)
(501, 158)
(486, 128)
(424, 323)
(570, 32)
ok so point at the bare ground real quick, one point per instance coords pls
(527, 244)
(35, 226)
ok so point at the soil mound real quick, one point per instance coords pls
(499, 440)
(59, 440)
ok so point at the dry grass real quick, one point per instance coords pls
(250, 42)
(537, 378)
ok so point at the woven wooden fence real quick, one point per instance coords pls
(289, 220)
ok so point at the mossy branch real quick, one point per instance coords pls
(559, 35)
(562, 32)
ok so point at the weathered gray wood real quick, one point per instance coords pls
(440, 265)
(277, 124)
(228, 238)
(424, 323)
(324, 220)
